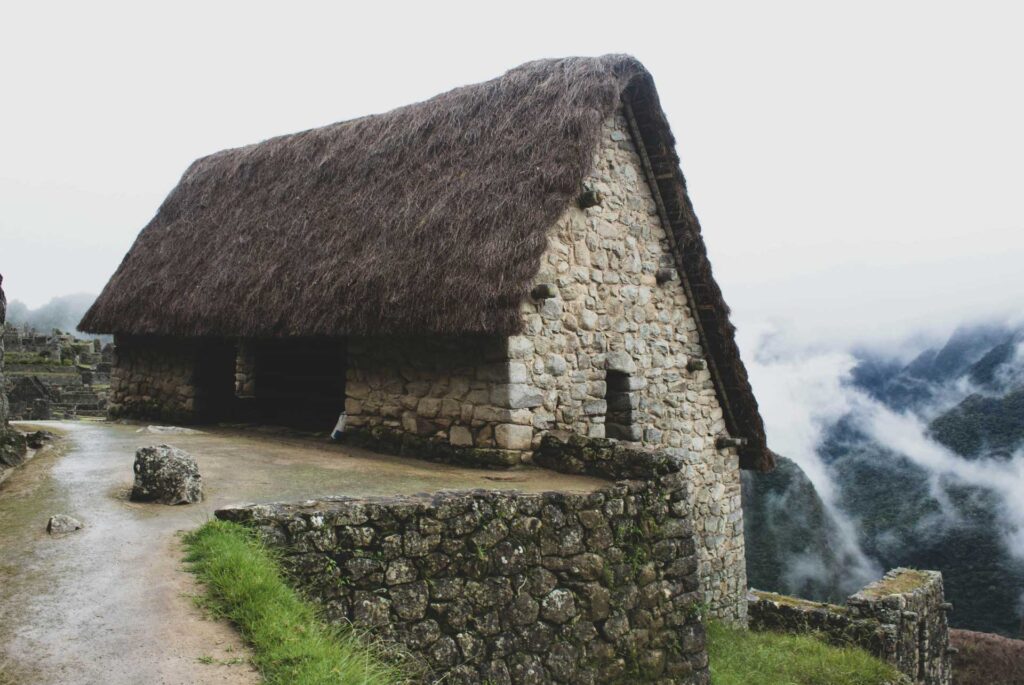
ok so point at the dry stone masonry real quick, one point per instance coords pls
(153, 379)
(454, 399)
(505, 587)
(55, 375)
(900, 619)
(12, 444)
(609, 349)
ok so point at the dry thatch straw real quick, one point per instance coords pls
(431, 218)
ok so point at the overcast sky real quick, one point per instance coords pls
(858, 171)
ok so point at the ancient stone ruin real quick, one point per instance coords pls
(55, 376)
(599, 318)
(507, 587)
(510, 273)
(900, 619)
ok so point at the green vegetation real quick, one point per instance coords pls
(739, 657)
(906, 581)
(291, 645)
(980, 424)
(34, 359)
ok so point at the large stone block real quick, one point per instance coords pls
(166, 475)
(620, 361)
(513, 437)
(516, 396)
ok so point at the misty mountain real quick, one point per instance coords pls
(793, 544)
(983, 426)
(62, 313)
(971, 353)
(927, 465)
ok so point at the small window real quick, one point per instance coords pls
(623, 401)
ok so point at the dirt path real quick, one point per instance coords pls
(111, 604)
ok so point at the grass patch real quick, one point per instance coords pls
(898, 583)
(291, 645)
(739, 657)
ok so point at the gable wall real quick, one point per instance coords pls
(610, 313)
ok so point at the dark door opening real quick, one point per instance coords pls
(214, 380)
(300, 382)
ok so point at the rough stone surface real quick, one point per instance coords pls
(900, 619)
(12, 444)
(61, 524)
(507, 587)
(605, 357)
(166, 475)
(153, 378)
(626, 341)
(443, 392)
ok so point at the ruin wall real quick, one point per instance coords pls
(153, 378)
(506, 587)
(447, 399)
(610, 349)
(900, 619)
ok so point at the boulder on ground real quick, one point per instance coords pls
(12, 448)
(166, 475)
(37, 439)
(62, 523)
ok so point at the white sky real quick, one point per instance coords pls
(858, 170)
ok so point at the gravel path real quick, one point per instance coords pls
(111, 604)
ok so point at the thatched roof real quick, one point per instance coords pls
(431, 218)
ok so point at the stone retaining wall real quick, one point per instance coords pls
(714, 515)
(506, 587)
(900, 619)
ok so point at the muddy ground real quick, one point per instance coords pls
(111, 604)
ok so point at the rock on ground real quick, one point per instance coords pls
(178, 430)
(166, 475)
(62, 523)
(38, 439)
(12, 448)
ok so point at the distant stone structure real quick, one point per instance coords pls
(55, 375)
(900, 619)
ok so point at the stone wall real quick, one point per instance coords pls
(615, 353)
(609, 349)
(900, 619)
(153, 378)
(12, 443)
(459, 393)
(505, 587)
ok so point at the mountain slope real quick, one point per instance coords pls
(926, 460)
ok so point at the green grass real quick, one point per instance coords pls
(291, 645)
(739, 657)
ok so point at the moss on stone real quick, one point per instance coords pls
(897, 582)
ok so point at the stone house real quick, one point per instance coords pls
(461, 277)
